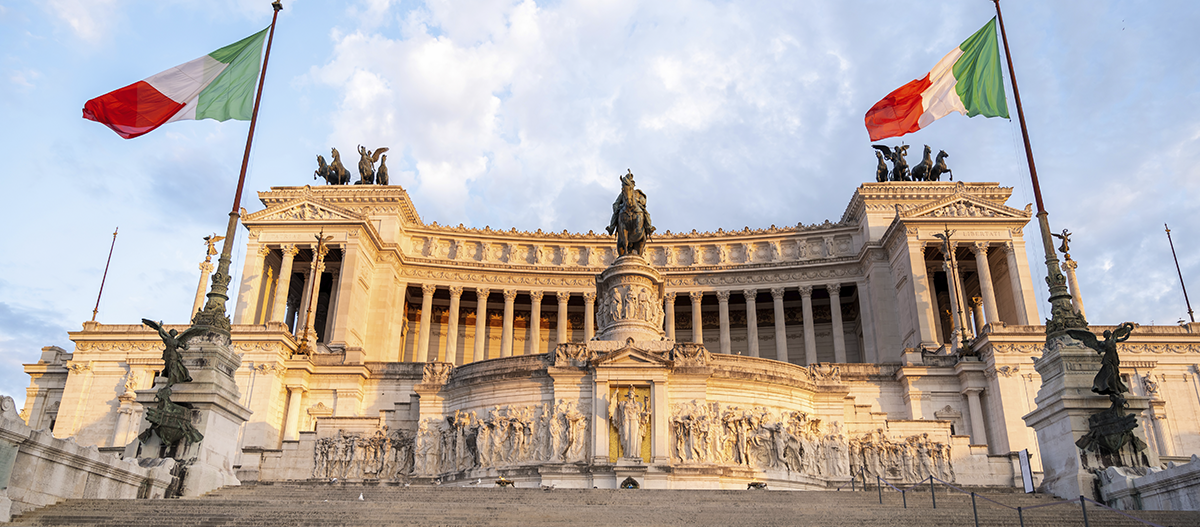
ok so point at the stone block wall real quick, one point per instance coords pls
(37, 469)
(1176, 488)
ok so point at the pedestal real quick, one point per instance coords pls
(630, 293)
(213, 398)
(1065, 402)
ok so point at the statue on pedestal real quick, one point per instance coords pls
(173, 341)
(630, 219)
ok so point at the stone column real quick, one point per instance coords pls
(978, 430)
(481, 318)
(589, 317)
(669, 309)
(723, 302)
(452, 326)
(781, 353)
(309, 335)
(563, 298)
(251, 285)
(426, 321)
(697, 328)
(922, 291)
(291, 427)
(1014, 278)
(937, 307)
(956, 332)
(751, 321)
(977, 314)
(867, 320)
(206, 268)
(399, 326)
(1068, 267)
(810, 334)
(279, 308)
(535, 323)
(839, 329)
(506, 335)
(985, 284)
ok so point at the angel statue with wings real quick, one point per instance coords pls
(173, 341)
(366, 164)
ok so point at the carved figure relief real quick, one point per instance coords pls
(629, 302)
(910, 459)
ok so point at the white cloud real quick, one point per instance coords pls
(91, 20)
(25, 78)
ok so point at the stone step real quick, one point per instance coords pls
(307, 504)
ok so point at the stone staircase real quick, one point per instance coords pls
(321, 503)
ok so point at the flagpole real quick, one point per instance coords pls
(1062, 313)
(1191, 315)
(213, 313)
(114, 244)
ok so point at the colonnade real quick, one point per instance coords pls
(428, 347)
(970, 314)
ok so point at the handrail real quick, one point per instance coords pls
(880, 482)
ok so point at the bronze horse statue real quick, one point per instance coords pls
(339, 170)
(327, 173)
(922, 170)
(630, 220)
(881, 170)
(939, 167)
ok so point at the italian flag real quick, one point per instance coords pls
(967, 80)
(218, 86)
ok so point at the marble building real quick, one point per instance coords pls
(400, 350)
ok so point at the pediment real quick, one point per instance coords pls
(304, 210)
(630, 356)
(962, 205)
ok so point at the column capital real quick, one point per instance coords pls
(723, 296)
(510, 295)
(976, 301)
(978, 247)
(669, 295)
(589, 297)
(428, 289)
(206, 267)
(777, 292)
(289, 250)
(806, 290)
(482, 293)
(1069, 264)
(536, 296)
(971, 391)
(834, 289)
(263, 251)
(456, 291)
(563, 296)
(750, 294)
(696, 296)
(1008, 246)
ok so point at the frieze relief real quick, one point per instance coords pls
(628, 302)
(504, 436)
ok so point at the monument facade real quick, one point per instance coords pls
(900, 341)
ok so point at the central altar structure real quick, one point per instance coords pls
(389, 349)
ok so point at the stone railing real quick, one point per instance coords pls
(37, 469)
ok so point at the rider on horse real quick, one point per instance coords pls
(632, 203)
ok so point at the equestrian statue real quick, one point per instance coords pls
(630, 219)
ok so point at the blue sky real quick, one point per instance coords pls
(520, 114)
